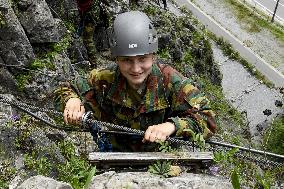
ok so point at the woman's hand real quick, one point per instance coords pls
(159, 132)
(73, 111)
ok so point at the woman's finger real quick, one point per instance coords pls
(66, 112)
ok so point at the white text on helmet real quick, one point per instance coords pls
(131, 46)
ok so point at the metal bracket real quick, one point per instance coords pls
(85, 117)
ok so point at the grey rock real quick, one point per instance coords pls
(5, 112)
(165, 41)
(65, 9)
(46, 81)
(41, 182)
(77, 51)
(24, 4)
(39, 24)
(16, 181)
(101, 38)
(36, 139)
(15, 48)
(8, 83)
(133, 180)
(1, 60)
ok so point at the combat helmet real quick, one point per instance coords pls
(133, 34)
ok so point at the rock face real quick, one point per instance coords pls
(38, 22)
(41, 182)
(5, 113)
(9, 84)
(15, 48)
(134, 180)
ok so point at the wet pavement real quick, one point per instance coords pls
(248, 94)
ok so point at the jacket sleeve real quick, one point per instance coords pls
(190, 108)
(73, 89)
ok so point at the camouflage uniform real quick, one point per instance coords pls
(168, 97)
(92, 15)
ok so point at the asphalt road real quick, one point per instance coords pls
(269, 6)
(266, 69)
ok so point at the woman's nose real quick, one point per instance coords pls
(135, 66)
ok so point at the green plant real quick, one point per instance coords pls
(229, 51)
(22, 80)
(197, 138)
(41, 165)
(90, 176)
(39, 64)
(165, 147)
(235, 179)
(189, 59)
(25, 127)
(160, 168)
(70, 26)
(273, 136)
(254, 22)
(76, 170)
(63, 44)
(264, 181)
(2, 20)
(219, 103)
(150, 10)
(164, 54)
(225, 156)
(3, 184)
(7, 171)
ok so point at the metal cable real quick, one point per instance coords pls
(6, 100)
(104, 126)
(135, 131)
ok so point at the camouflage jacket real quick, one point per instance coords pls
(94, 11)
(168, 96)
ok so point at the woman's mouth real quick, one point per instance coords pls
(136, 75)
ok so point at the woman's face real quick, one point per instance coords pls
(135, 68)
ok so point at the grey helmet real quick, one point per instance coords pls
(133, 34)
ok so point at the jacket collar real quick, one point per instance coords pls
(154, 99)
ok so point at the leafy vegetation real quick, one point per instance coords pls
(229, 51)
(41, 160)
(7, 171)
(254, 22)
(235, 179)
(40, 165)
(197, 138)
(274, 136)
(2, 20)
(160, 168)
(76, 170)
(22, 80)
(46, 59)
(166, 147)
(246, 173)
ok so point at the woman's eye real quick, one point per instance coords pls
(142, 59)
(128, 60)
(125, 60)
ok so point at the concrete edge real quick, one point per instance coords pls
(266, 69)
(256, 5)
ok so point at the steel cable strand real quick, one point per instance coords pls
(260, 152)
(134, 131)
(6, 100)
(22, 107)
(129, 130)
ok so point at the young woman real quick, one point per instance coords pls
(137, 92)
